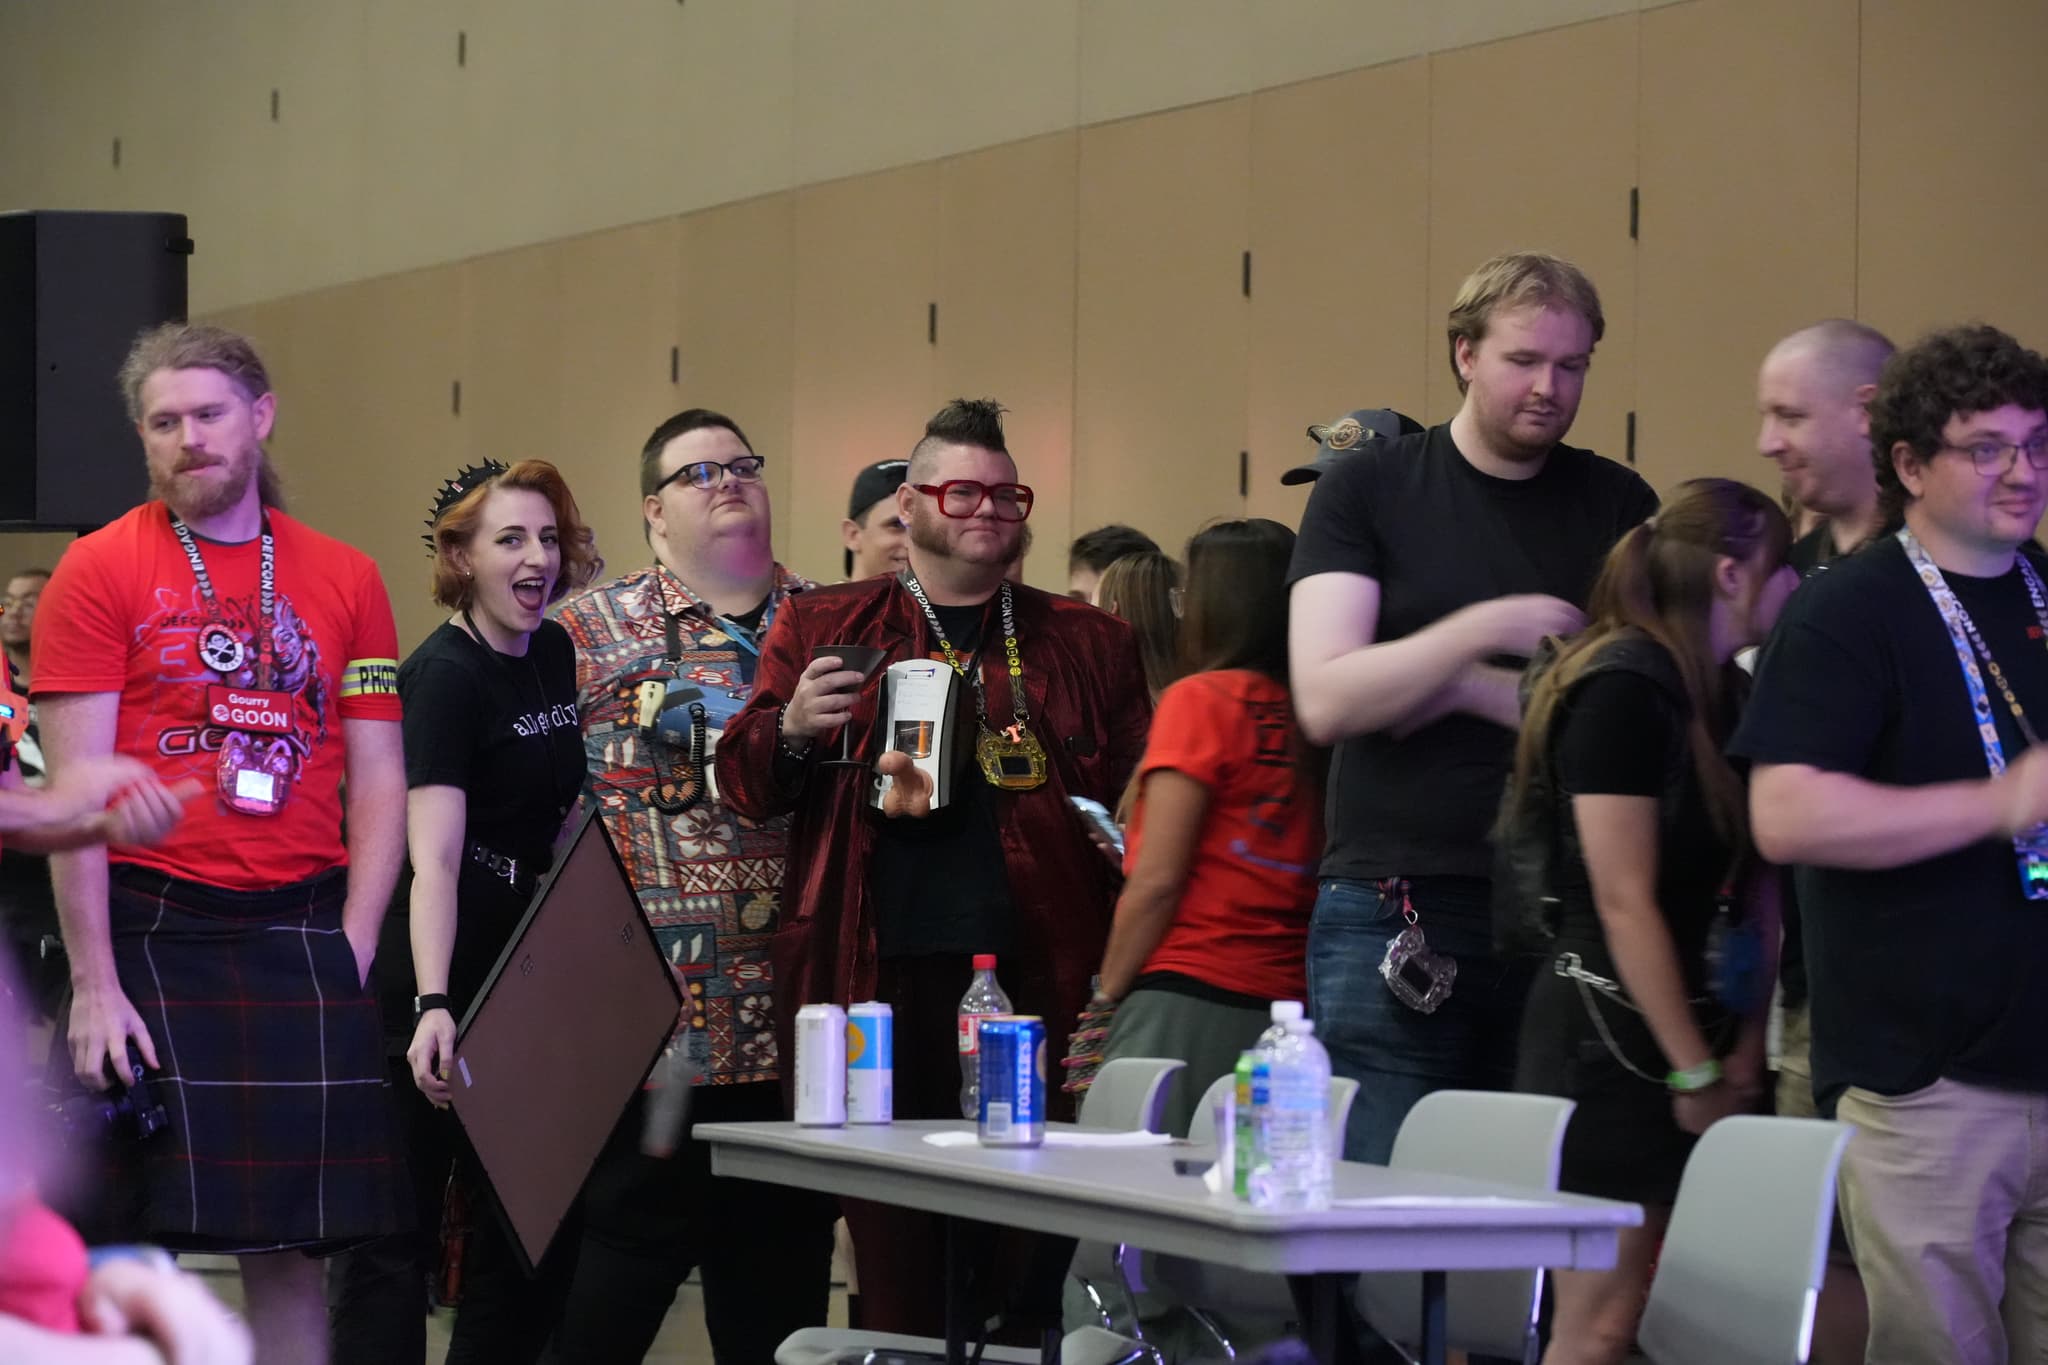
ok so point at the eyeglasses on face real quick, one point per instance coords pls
(710, 473)
(1997, 457)
(963, 498)
(21, 603)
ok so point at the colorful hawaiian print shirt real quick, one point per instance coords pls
(709, 881)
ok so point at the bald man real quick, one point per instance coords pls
(1811, 391)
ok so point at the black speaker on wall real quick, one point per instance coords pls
(75, 289)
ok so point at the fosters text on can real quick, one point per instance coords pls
(870, 1063)
(821, 1066)
(1012, 1081)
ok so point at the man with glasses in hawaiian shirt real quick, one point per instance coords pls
(893, 906)
(665, 655)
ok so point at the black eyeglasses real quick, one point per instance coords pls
(963, 498)
(710, 473)
(1998, 457)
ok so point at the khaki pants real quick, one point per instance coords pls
(1945, 1193)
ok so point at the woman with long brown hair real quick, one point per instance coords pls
(1144, 589)
(1226, 827)
(1649, 1009)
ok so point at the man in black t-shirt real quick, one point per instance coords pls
(1428, 569)
(1925, 951)
(1812, 392)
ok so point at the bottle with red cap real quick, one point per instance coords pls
(984, 999)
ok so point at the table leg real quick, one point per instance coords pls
(956, 1297)
(1323, 1303)
(1434, 1347)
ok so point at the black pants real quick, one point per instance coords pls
(377, 1292)
(765, 1251)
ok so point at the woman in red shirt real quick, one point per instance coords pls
(1225, 831)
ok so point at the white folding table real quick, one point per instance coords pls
(1383, 1219)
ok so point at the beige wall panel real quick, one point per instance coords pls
(310, 213)
(511, 93)
(1339, 297)
(1006, 317)
(1748, 217)
(1161, 334)
(885, 82)
(1954, 188)
(34, 549)
(511, 375)
(1533, 146)
(416, 206)
(1298, 40)
(1461, 23)
(734, 313)
(866, 270)
(1138, 56)
(617, 323)
(374, 434)
(674, 107)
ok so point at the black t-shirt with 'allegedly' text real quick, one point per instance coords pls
(1438, 535)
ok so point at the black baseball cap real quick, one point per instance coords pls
(874, 483)
(1335, 440)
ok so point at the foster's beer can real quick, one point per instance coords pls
(1012, 1081)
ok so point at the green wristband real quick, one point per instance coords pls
(1704, 1076)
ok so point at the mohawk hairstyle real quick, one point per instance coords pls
(962, 422)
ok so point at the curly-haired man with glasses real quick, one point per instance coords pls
(1895, 730)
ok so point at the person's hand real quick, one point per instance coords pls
(102, 1022)
(170, 1309)
(146, 811)
(431, 1054)
(365, 954)
(1698, 1110)
(83, 787)
(1744, 1068)
(1517, 625)
(2022, 792)
(823, 699)
(910, 788)
(1084, 1047)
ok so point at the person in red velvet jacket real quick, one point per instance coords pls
(893, 908)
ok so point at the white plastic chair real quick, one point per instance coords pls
(1748, 1244)
(1483, 1135)
(1207, 1291)
(1129, 1095)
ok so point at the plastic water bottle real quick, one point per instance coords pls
(1284, 1012)
(984, 998)
(1296, 1145)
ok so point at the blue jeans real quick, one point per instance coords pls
(1396, 1054)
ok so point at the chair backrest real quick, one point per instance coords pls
(1129, 1095)
(1343, 1094)
(1748, 1243)
(1484, 1135)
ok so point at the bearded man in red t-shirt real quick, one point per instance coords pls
(214, 638)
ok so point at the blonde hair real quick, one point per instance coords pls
(1520, 279)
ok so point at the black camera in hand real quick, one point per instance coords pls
(125, 1112)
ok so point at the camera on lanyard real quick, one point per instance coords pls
(670, 714)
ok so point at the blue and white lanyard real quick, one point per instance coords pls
(1969, 643)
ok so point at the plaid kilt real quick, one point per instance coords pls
(273, 1073)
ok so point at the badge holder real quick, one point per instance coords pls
(2031, 849)
(1011, 759)
(1419, 977)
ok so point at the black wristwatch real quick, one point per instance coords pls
(422, 1003)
